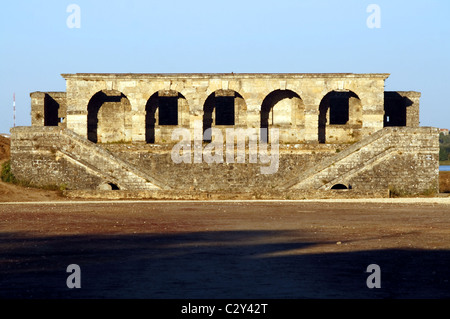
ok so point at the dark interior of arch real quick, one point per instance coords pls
(224, 110)
(339, 186)
(338, 104)
(224, 107)
(168, 110)
(51, 109)
(114, 187)
(94, 106)
(395, 107)
(167, 107)
(339, 107)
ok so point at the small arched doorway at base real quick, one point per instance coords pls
(340, 186)
(114, 187)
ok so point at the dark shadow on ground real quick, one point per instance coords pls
(227, 264)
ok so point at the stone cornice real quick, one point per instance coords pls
(228, 76)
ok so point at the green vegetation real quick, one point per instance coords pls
(396, 192)
(444, 149)
(7, 175)
(122, 141)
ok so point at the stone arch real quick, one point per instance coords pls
(109, 117)
(108, 186)
(342, 111)
(224, 108)
(283, 109)
(164, 110)
(113, 186)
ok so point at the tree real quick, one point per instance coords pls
(444, 147)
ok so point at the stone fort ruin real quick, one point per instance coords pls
(339, 135)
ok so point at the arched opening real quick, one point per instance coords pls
(114, 187)
(341, 111)
(163, 110)
(109, 120)
(222, 108)
(51, 111)
(281, 109)
(339, 186)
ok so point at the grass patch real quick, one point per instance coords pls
(430, 192)
(397, 192)
(116, 142)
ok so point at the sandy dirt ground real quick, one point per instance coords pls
(15, 193)
(259, 249)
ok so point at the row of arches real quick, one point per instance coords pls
(109, 119)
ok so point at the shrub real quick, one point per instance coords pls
(397, 192)
(7, 175)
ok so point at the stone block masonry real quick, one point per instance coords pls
(57, 156)
(340, 135)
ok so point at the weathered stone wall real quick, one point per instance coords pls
(54, 102)
(35, 158)
(412, 107)
(113, 131)
(391, 160)
(403, 160)
(231, 195)
(251, 89)
(157, 161)
(50, 155)
(110, 117)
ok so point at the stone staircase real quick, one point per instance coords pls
(398, 158)
(104, 164)
(357, 158)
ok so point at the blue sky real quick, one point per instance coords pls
(294, 36)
